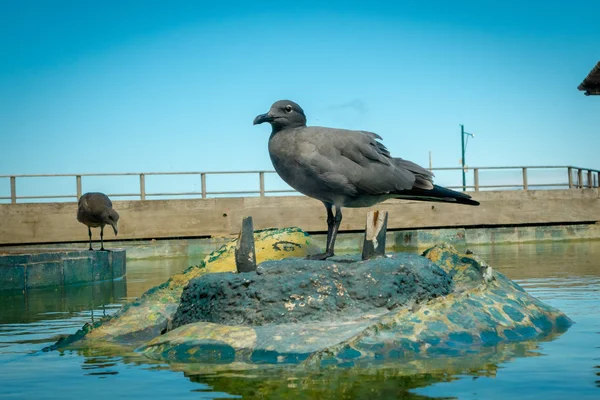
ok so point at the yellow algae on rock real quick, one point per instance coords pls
(270, 244)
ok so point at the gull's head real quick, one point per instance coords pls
(113, 220)
(284, 114)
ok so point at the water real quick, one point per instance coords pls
(565, 275)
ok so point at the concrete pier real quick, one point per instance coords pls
(38, 223)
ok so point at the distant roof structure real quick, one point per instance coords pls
(591, 84)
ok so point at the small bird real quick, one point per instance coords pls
(344, 168)
(95, 210)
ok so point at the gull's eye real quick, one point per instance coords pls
(288, 108)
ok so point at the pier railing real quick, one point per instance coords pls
(574, 177)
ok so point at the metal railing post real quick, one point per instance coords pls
(13, 190)
(570, 172)
(78, 180)
(203, 184)
(142, 187)
(261, 176)
(577, 178)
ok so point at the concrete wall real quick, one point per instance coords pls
(194, 249)
(36, 268)
(155, 219)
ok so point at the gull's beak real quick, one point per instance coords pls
(115, 226)
(262, 118)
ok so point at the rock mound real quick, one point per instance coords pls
(298, 290)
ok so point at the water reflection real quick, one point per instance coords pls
(145, 274)
(57, 303)
(386, 380)
(543, 260)
(326, 384)
(378, 381)
(374, 380)
(99, 366)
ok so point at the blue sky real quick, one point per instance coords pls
(133, 86)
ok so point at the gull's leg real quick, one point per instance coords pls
(90, 235)
(102, 237)
(334, 231)
(330, 229)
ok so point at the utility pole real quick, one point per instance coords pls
(430, 164)
(462, 160)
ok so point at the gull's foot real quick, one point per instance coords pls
(322, 256)
(102, 248)
(90, 249)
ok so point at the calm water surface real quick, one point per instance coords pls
(565, 275)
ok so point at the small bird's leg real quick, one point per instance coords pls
(90, 234)
(331, 221)
(102, 238)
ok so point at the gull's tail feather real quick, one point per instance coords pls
(438, 193)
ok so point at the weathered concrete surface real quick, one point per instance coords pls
(151, 314)
(483, 309)
(297, 290)
(496, 235)
(55, 222)
(23, 268)
(148, 248)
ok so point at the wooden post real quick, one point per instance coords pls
(13, 190)
(590, 182)
(78, 180)
(375, 230)
(524, 178)
(203, 183)
(476, 178)
(570, 172)
(245, 255)
(142, 187)
(580, 179)
(261, 176)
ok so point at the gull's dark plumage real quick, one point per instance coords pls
(95, 210)
(344, 168)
